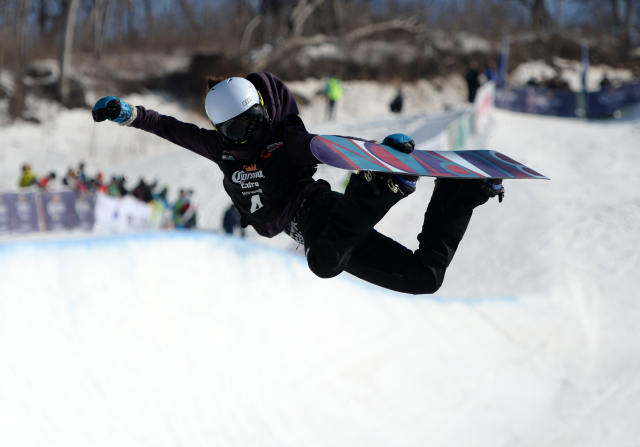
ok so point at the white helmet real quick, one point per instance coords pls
(230, 98)
(236, 109)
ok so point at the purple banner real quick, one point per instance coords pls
(546, 101)
(28, 212)
(85, 204)
(59, 211)
(19, 213)
(605, 103)
(542, 101)
(5, 215)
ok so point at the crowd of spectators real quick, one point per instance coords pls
(555, 83)
(183, 210)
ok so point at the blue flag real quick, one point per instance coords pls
(503, 62)
(585, 67)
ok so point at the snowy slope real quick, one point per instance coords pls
(531, 341)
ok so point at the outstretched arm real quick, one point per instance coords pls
(201, 141)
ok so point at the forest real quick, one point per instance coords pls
(122, 43)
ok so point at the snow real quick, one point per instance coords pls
(186, 339)
(570, 71)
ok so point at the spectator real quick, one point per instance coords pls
(113, 189)
(142, 191)
(189, 211)
(44, 182)
(333, 92)
(605, 83)
(178, 207)
(472, 77)
(98, 184)
(490, 72)
(161, 212)
(70, 179)
(122, 186)
(231, 220)
(27, 178)
(532, 82)
(161, 197)
(82, 176)
(397, 102)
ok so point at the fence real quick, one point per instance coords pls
(556, 102)
(36, 211)
(32, 211)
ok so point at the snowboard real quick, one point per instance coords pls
(360, 155)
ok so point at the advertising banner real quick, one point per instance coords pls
(483, 107)
(121, 214)
(59, 211)
(23, 212)
(85, 206)
(606, 102)
(6, 212)
(542, 101)
(546, 101)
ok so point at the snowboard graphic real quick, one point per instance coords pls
(359, 155)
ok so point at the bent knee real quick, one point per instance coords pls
(325, 264)
(429, 282)
(323, 270)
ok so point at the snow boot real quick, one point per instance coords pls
(404, 184)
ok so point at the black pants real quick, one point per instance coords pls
(339, 236)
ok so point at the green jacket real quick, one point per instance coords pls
(334, 89)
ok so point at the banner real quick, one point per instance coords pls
(609, 101)
(20, 213)
(503, 62)
(5, 215)
(542, 101)
(59, 211)
(483, 107)
(85, 208)
(546, 101)
(121, 214)
(33, 211)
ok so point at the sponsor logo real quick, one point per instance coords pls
(246, 101)
(250, 168)
(241, 176)
(256, 203)
(255, 191)
(246, 179)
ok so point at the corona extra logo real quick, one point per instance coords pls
(241, 177)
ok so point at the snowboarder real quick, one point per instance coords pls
(262, 147)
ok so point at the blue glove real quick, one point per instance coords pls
(112, 108)
(400, 142)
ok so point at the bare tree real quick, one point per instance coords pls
(97, 18)
(301, 13)
(189, 14)
(623, 21)
(67, 51)
(148, 16)
(539, 14)
(17, 101)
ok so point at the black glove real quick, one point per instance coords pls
(400, 142)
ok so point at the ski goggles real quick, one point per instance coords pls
(240, 128)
